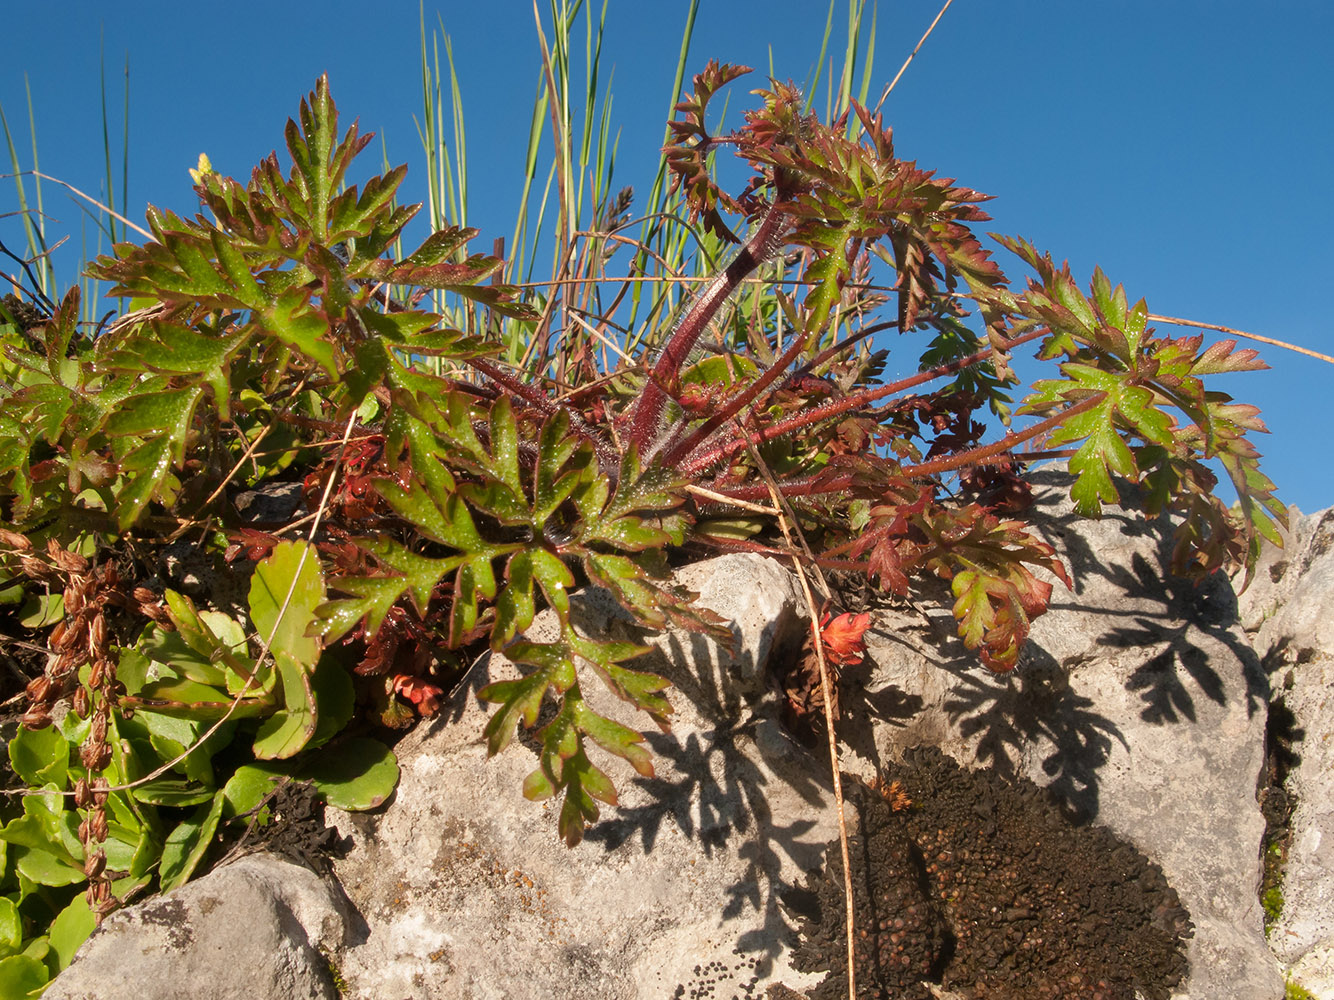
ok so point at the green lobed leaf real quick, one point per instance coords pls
(640, 688)
(520, 700)
(294, 321)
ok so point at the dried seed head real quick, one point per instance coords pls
(35, 718)
(95, 864)
(83, 795)
(36, 568)
(39, 689)
(70, 562)
(82, 703)
(97, 825)
(99, 786)
(65, 665)
(15, 541)
(108, 903)
(95, 756)
(97, 633)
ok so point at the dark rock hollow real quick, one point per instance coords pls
(981, 885)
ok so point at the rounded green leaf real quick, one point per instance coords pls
(173, 792)
(288, 730)
(357, 774)
(20, 976)
(248, 786)
(45, 868)
(11, 927)
(187, 844)
(335, 699)
(70, 930)
(39, 756)
(284, 592)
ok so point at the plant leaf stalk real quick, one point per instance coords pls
(646, 419)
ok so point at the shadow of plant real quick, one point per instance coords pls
(1034, 705)
(715, 786)
(1168, 611)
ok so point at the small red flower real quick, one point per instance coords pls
(424, 695)
(843, 639)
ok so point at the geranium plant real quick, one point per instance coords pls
(446, 493)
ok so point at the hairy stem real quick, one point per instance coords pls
(978, 456)
(761, 245)
(704, 459)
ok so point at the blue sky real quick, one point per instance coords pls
(1183, 146)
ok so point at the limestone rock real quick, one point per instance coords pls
(469, 893)
(1137, 701)
(258, 928)
(1290, 607)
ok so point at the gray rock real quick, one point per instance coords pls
(1136, 700)
(1290, 607)
(1290, 601)
(259, 927)
(469, 893)
(1139, 701)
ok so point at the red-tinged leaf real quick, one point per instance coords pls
(639, 688)
(842, 637)
(619, 740)
(520, 701)
(1224, 357)
(885, 564)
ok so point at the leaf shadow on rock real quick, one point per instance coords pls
(1036, 705)
(1166, 610)
(889, 705)
(717, 786)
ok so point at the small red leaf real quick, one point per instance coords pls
(843, 637)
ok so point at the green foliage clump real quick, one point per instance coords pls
(444, 491)
(1272, 901)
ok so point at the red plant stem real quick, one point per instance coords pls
(512, 384)
(701, 434)
(817, 486)
(813, 486)
(759, 247)
(835, 349)
(866, 537)
(978, 455)
(743, 398)
(834, 409)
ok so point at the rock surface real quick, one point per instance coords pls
(259, 927)
(1138, 702)
(469, 893)
(1140, 705)
(1290, 609)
